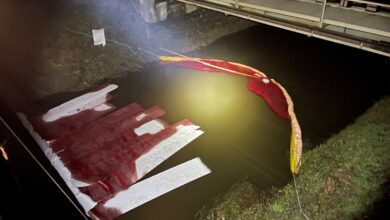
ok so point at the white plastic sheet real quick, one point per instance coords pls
(99, 37)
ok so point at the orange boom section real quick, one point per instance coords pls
(276, 97)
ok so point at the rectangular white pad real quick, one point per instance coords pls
(158, 185)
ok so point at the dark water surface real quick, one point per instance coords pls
(242, 136)
(330, 84)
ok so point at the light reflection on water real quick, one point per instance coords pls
(243, 138)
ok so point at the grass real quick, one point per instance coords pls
(340, 179)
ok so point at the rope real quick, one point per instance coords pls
(108, 40)
(123, 44)
(209, 64)
(149, 52)
(299, 201)
(163, 49)
(173, 52)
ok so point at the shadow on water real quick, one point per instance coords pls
(330, 84)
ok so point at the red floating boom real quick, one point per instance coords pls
(272, 92)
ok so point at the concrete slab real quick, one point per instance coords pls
(376, 22)
(297, 7)
(265, 3)
(341, 15)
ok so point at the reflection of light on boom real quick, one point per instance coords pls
(3, 153)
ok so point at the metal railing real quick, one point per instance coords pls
(369, 40)
(322, 14)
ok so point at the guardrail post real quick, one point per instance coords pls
(322, 14)
(237, 3)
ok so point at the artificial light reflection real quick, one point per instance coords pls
(3, 152)
(221, 104)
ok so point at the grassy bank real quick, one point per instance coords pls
(340, 179)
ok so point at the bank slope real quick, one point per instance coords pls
(340, 179)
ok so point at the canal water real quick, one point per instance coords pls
(330, 85)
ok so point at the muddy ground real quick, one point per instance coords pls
(46, 47)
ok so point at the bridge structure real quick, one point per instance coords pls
(360, 24)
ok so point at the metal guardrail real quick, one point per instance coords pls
(322, 14)
(307, 25)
